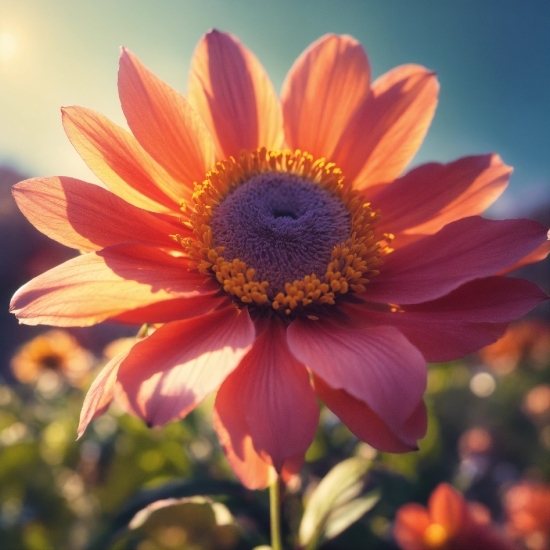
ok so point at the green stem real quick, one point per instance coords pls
(275, 512)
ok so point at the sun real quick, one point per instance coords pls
(8, 46)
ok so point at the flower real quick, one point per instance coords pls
(54, 350)
(449, 523)
(528, 514)
(527, 340)
(300, 264)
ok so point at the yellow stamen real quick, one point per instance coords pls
(352, 262)
(435, 536)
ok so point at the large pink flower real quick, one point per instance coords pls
(303, 264)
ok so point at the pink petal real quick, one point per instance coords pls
(465, 187)
(390, 127)
(91, 288)
(119, 161)
(164, 123)
(323, 91)
(86, 216)
(232, 424)
(174, 309)
(540, 253)
(275, 391)
(234, 96)
(441, 340)
(234, 435)
(377, 365)
(492, 299)
(100, 394)
(467, 249)
(169, 373)
(469, 318)
(367, 425)
(451, 340)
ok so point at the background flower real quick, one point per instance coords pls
(528, 514)
(54, 350)
(449, 522)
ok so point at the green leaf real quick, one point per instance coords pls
(344, 516)
(190, 488)
(337, 502)
(196, 522)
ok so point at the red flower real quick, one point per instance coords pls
(449, 523)
(285, 273)
(527, 340)
(528, 510)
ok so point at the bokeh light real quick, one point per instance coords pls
(482, 384)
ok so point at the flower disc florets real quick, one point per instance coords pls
(279, 229)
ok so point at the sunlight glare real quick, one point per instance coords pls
(8, 46)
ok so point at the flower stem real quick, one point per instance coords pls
(275, 512)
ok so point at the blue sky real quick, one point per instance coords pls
(492, 58)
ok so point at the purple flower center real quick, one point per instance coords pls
(282, 225)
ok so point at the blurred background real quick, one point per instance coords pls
(493, 62)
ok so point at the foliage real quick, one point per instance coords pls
(125, 486)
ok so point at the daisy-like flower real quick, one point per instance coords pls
(54, 350)
(448, 523)
(279, 247)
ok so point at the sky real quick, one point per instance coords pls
(492, 58)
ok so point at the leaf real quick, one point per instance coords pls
(344, 516)
(337, 502)
(237, 496)
(210, 507)
(196, 521)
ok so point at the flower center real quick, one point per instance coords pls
(283, 226)
(51, 361)
(435, 536)
(279, 230)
